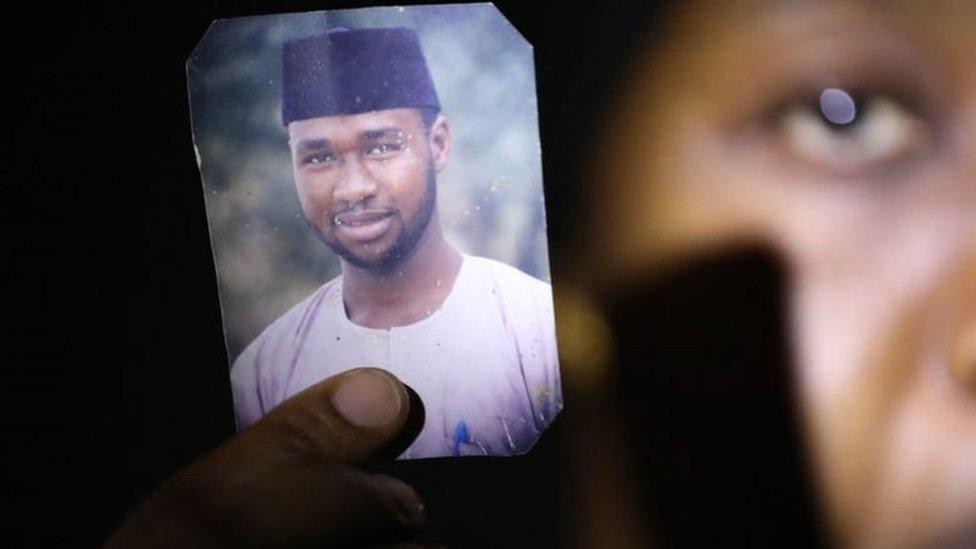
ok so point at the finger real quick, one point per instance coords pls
(348, 418)
(288, 480)
(413, 544)
(314, 505)
(334, 505)
(410, 545)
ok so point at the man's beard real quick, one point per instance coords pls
(407, 240)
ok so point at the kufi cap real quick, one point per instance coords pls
(355, 71)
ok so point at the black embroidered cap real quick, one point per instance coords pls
(354, 71)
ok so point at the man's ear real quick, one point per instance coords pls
(439, 139)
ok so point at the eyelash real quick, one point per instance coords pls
(312, 158)
(375, 149)
(888, 128)
(385, 148)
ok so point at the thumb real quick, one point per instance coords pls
(356, 416)
(289, 479)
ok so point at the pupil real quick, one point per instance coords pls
(838, 107)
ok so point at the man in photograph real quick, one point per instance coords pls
(475, 338)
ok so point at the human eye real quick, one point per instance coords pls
(380, 149)
(321, 158)
(383, 144)
(848, 130)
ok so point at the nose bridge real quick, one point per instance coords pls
(355, 182)
(968, 133)
(963, 358)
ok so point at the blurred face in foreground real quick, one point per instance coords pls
(843, 134)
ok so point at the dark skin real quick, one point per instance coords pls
(294, 478)
(276, 484)
(720, 140)
(364, 184)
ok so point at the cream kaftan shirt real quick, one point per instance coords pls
(484, 364)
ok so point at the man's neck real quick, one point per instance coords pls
(408, 293)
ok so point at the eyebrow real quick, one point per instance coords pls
(315, 144)
(306, 144)
(381, 133)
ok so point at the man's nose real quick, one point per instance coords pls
(355, 182)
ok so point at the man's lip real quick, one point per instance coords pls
(358, 218)
(363, 225)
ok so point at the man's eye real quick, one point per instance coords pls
(319, 158)
(841, 130)
(381, 149)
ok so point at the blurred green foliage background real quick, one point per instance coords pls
(490, 196)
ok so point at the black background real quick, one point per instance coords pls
(114, 347)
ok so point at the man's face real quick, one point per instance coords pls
(723, 138)
(366, 182)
